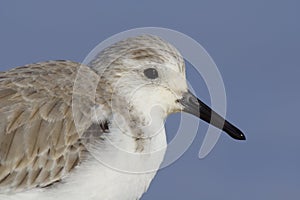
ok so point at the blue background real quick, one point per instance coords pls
(256, 46)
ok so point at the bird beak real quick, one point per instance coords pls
(195, 106)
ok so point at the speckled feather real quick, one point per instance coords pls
(39, 143)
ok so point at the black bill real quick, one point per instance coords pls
(196, 107)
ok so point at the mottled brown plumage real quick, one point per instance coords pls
(39, 142)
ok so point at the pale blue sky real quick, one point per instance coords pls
(256, 46)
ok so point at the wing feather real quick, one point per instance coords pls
(39, 142)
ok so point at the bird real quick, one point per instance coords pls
(80, 131)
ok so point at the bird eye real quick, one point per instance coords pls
(151, 73)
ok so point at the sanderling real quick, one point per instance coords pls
(51, 133)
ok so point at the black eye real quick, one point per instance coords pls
(151, 73)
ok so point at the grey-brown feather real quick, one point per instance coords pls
(141, 48)
(39, 142)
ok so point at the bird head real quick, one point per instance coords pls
(146, 72)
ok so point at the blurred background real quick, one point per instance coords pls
(256, 47)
